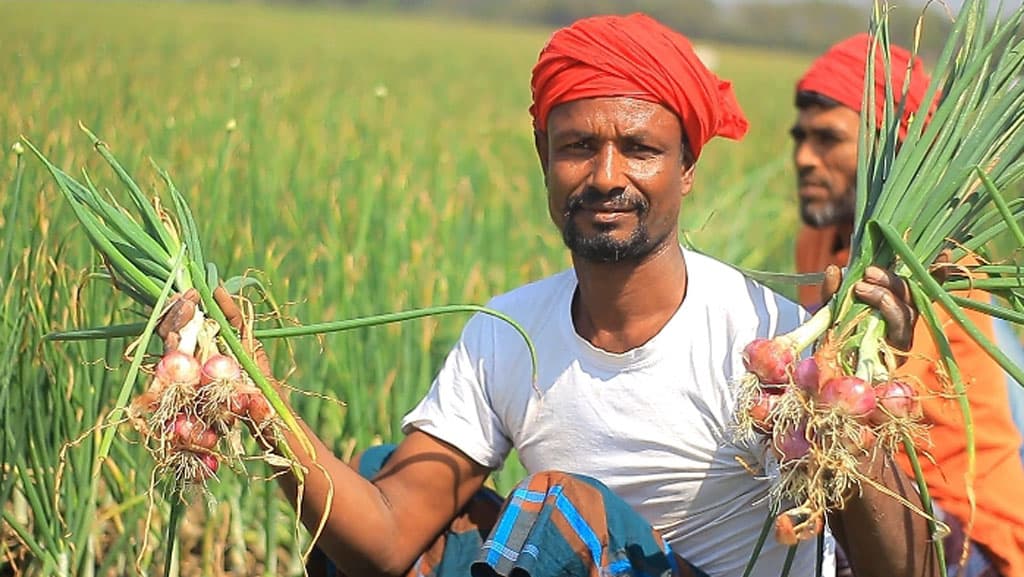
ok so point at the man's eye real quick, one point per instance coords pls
(643, 149)
(578, 145)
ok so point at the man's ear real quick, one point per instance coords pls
(687, 177)
(540, 142)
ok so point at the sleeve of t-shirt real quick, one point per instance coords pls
(457, 408)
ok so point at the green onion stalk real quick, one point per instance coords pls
(928, 208)
(210, 381)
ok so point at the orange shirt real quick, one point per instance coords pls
(999, 474)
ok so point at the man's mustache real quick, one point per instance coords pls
(811, 182)
(594, 199)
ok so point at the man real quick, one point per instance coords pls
(627, 429)
(828, 101)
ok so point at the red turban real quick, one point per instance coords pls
(839, 75)
(637, 57)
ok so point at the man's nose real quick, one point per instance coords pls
(608, 172)
(805, 156)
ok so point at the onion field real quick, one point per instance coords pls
(355, 163)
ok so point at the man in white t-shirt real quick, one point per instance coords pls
(651, 421)
(626, 430)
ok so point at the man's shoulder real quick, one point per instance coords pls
(537, 308)
(738, 295)
(698, 263)
(726, 276)
(536, 294)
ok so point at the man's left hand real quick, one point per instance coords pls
(886, 292)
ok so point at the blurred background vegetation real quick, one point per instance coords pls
(358, 160)
(787, 24)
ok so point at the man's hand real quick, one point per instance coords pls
(183, 307)
(885, 292)
(180, 311)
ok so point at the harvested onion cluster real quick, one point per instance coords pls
(820, 422)
(189, 412)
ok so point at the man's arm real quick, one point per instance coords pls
(880, 535)
(372, 528)
(381, 527)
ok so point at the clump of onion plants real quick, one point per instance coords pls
(198, 396)
(821, 415)
(190, 405)
(828, 395)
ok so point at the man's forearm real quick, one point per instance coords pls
(380, 528)
(881, 536)
(358, 519)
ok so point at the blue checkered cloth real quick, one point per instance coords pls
(552, 525)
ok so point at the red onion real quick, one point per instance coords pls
(181, 427)
(806, 376)
(188, 431)
(792, 444)
(209, 466)
(178, 368)
(220, 368)
(760, 413)
(259, 408)
(238, 404)
(849, 395)
(769, 360)
(895, 399)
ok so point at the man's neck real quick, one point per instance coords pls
(621, 306)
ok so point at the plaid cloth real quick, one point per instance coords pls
(552, 525)
(562, 524)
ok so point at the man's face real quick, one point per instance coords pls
(825, 155)
(616, 175)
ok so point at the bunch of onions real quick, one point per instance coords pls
(818, 425)
(939, 191)
(148, 256)
(191, 408)
(182, 421)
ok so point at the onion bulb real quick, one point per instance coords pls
(770, 361)
(178, 368)
(895, 399)
(806, 376)
(220, 368)
(188, 431)
(849, 395)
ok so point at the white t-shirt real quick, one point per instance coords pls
(653, 424)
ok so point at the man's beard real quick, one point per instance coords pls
(840, 211)
(603, 247)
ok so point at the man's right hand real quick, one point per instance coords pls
(377, 528)
(183, 307)
(179, 312)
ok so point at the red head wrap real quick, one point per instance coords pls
(637, 57)
(839, 75)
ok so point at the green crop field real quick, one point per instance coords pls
(355, 163)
